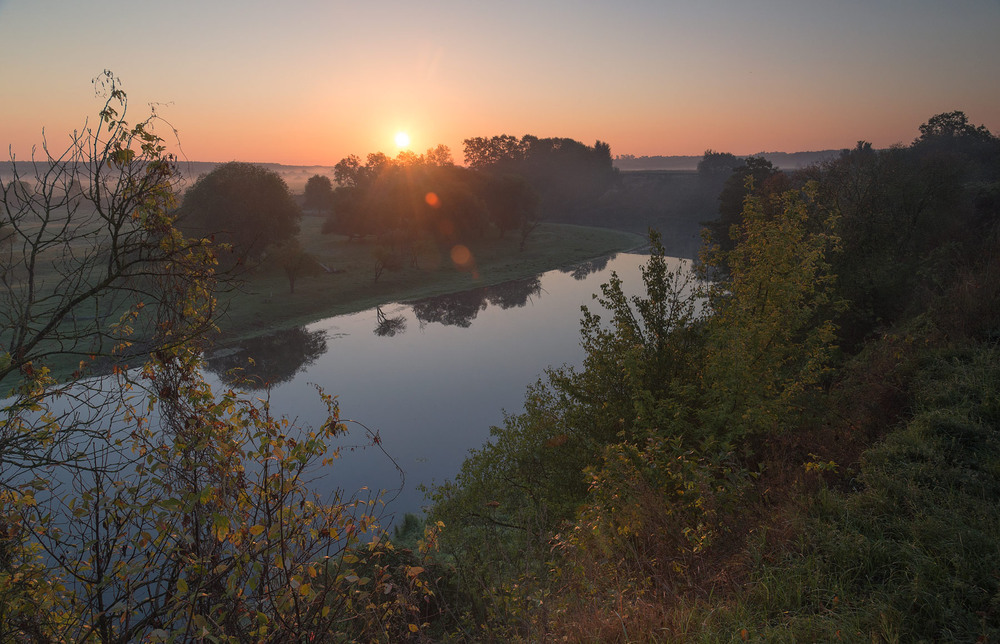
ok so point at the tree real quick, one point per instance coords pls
(348, 172)
(772, 332)
(717, 163)
(93, 270)
(512, 203)
(512, 494)
(953, 144)
(171, 513)
(499, 152)
(756, 175)
(294, 261)
(951, 125)
(319, 193)
(241, 204)
(440, 155)
(567, 175)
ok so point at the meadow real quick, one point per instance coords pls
(264, 301)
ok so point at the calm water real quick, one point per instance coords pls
(429, 377)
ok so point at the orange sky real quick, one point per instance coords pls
(311, 81)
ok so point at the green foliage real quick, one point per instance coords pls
(652, 508)
(907, 213)
(641, 480)
(771, 335)
(754, 176)
(632, 465)
(511, 495)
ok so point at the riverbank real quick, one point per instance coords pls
(347, 282)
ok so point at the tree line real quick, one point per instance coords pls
(409, 204)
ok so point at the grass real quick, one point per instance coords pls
(910, 554)
(264, 303)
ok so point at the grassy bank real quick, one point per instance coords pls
(265, 302)
(908, 552)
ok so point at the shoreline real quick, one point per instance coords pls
(266, 305)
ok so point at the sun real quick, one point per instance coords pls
(402, 140)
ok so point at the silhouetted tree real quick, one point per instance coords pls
(567, 175)
(319, 193)
(951, 125)
(717, 163)
(950, 140)
(349, 173)
(243, 204)
(497, 152)
(440, 155)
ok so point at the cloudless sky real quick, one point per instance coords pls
(310, 81)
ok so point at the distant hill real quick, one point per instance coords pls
(783, 160)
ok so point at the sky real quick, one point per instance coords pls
(308, 82)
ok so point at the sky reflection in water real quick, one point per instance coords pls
(433, 387)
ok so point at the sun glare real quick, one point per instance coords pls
(402, 140)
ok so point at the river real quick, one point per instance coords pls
(430, 377)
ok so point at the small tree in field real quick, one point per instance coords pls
(294, 261)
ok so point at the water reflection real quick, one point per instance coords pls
(583, 269)
(387, 327)
(267, 360)
(460, 309)
(432, 395)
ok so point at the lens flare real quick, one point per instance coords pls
(432, 200)
(462, 256)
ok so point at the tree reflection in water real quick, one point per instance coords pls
(268, 360)
(387, 327)
(460, 309)
(583, 269)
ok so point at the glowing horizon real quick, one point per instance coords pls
(312, 82)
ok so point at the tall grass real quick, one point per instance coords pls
(913, 553)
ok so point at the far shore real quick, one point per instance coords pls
(264, 303)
